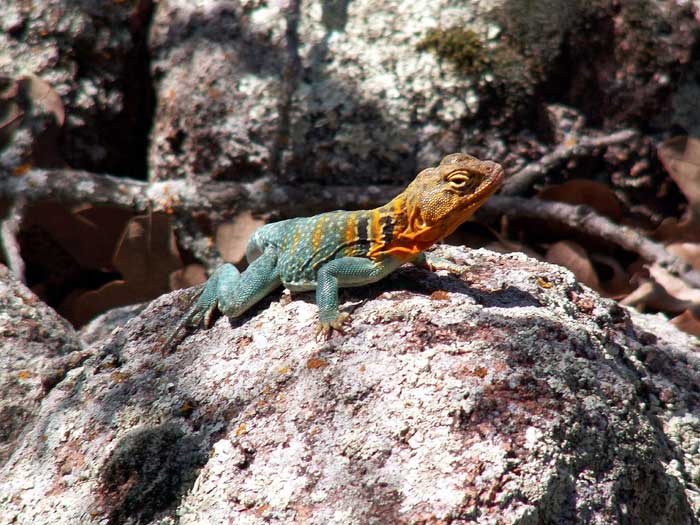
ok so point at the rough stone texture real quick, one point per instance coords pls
(37, 349)
(338, 92)
(246, 87)
(513, 395)
(90, 52)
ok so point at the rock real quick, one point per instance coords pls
(92, 54)
(363, 92)
(38, 349)
(513, 395)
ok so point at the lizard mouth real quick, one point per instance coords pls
(488, 187)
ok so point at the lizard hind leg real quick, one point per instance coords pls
(205, 302)
(222, 283)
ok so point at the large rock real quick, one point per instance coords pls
(362, 92)
(37, 349)
(512, 395)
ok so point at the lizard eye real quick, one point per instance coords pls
(458, 181)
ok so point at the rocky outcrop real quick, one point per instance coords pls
(510, 395)
(363, 92)
(38, 349)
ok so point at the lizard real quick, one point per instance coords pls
(340, 249)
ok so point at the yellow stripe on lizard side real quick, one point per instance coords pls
(375, 234)
(318, 233)
(295, 241)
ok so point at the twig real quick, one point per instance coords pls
(585, 219)
(70, 187)
(9, 229)
(74, 187)
(523, 180)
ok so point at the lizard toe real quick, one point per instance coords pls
(324, 329)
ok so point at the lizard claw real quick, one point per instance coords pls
(325, 329)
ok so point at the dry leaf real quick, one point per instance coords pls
(11, 113)
(688, 251)
(686, 229)
(190, 275)
(674, 286)
(88, 233)
(146, 255)
(232, 237)
(42, 95)
(651, 295)
(688, 322)
(681, 158)
(574, 257)
(616, 283)
(583, 191)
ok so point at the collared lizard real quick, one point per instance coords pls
(350, 248)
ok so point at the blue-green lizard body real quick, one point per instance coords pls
(350, 248)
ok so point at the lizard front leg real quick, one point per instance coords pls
(340, 273)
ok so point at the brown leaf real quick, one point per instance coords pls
(688, 322)
(674, 286)
(664, 292)
(232, 237)
(42, 95)
(685, 229)
(190, 275)
(614, 280)
(681, 158)
(89, 234)
(688, 251)
(575, 258)
(11, 113)
(583, 191)
(651, 295)
(146, 255)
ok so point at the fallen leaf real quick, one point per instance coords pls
(688, 322)
(590, 193)
(145, 256)
(88, 233)
(190, 275)
(11, 114)
(664, 292)
(650, 295)
(685, 229)
(614, 280)
(673, 285)
(42, 95)
(681, 158)
(688, 251)
(574, 257)
(232, 238)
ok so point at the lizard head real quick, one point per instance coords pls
(441, 198)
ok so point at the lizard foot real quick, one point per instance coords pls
(325, 329)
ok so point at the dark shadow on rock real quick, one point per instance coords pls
(429, 282)
(149, 471)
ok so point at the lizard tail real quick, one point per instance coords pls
(184, 321)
